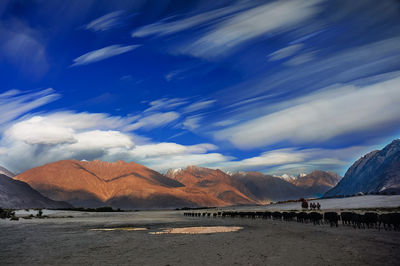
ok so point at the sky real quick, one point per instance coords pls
(280, 87)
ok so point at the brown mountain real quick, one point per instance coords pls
(121, 185)
(268, 188)
(16, 194)
(217, 184)
(317, 182)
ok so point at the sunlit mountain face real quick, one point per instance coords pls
(279, 87)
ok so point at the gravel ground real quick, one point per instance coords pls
(70, 241)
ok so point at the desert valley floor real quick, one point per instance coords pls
(63, 240)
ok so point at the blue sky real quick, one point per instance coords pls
(271, 86)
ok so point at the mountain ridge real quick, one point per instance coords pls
(376, 171)
(129, 185)
(123, 185)
(219, 184)
(317, 183)
(267, 187)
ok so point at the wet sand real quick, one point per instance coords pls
(70, 241)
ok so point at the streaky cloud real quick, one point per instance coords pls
(199, 105)
(224, 37)
(163, 28)
(106, 22)
(285, 52)
(154, 120)
(350, 64)
(14, 103)
(165, 104)
(103, 53)
(322, 117)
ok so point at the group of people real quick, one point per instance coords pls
(315, 206)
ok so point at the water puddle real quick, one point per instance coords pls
(120, 229)
(199, 230)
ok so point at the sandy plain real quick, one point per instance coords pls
(71, 241)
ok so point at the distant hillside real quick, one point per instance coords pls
(216, 183)
(289, 178)
(317, 182)
(16, 194)
(377, 171)
(267, 187)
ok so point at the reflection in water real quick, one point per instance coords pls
(199, 230)
(120, 229)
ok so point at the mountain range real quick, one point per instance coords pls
(377, 171)
(129, 185)
(133, 186)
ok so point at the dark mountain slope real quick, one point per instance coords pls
(266, 187)
(377, 171)
(16, 194)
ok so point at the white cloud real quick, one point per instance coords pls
(249, 24)
(295, 161)
(43, 139)
(266, 159)
(103, 53)
(301, 59)
(285, 52)
(192, 122)
(198, 106)
(77, 129)
(85, 120)
(330, 69)
(37, 130)
(168, 149)
(163, 28)
(106, 22)
(97, 139)
(46, 138)
(173, 75)
(154, 120)
(275, 157)
(224, 123)
(165, 104)
(322, 116)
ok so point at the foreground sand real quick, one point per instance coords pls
(70, 241)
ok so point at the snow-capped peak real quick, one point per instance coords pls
(288, 177)
(173, 172)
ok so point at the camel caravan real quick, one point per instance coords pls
(368, 220)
